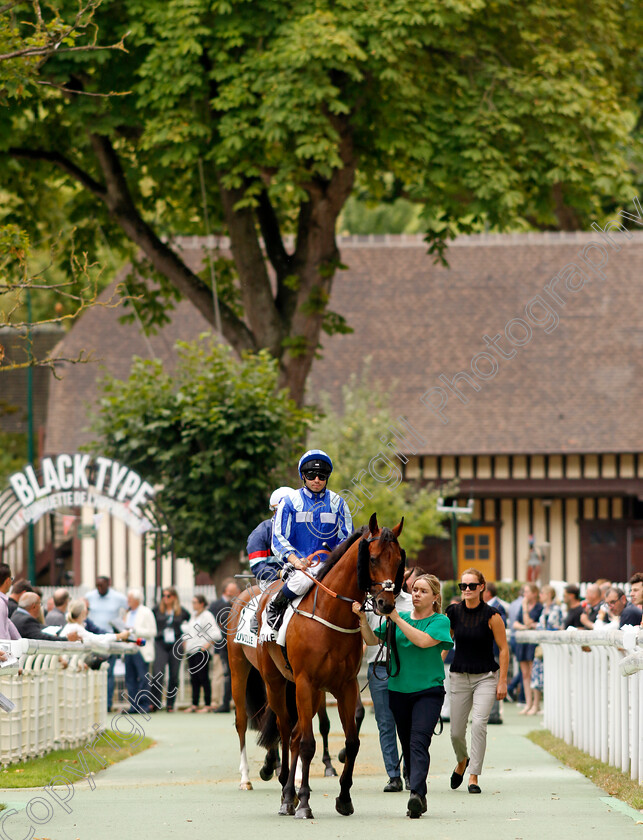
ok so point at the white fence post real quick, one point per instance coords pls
(55, 707)
(593, 699)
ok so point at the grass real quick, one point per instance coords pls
(36, 772)
(612, 781)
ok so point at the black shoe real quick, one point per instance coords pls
(495, 719)
(474, 789)
(394, 785)
(456, 778)
(221, 710)
(275, 611)
(416, 806)
(407, 783)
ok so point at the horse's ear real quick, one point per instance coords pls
(398, 528)
(363, 566)
(399, 577)
(373, 527)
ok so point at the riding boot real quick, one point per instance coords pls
(275, 610)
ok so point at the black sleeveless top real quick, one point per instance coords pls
(473, 638)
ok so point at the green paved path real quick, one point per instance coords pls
(187, 787)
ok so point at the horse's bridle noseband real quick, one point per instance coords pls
(384, 585)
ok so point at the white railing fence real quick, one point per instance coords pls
(593, 692)
(55, 705)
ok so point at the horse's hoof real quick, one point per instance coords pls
(330, 771)
(245, 786)
(342, 755)
(287, 809)
(304, 814)
(344, 808)
(265, 774)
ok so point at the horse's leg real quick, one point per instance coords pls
(270, 762)
(359, 720)
(324, 729)
(308, 700)
(360, 712)
(346, 704)
(277, 700)
(239, 671)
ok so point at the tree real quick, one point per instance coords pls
(367, 471)
(214, 436)
(29, 36)
(490, 112)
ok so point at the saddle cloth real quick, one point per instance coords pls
(267, 634)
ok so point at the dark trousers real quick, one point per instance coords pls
(199, 668)
(135, 669)
(416, 716)
(111, 680)
(227, 679)
(165, 658)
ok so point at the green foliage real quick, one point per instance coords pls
(215, 436)
(363, 216)
(486, 113)
(352, 437)
(13, 452)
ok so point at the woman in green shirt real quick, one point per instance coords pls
(416, 694)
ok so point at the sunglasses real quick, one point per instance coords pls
(312, 474)
(464, 586)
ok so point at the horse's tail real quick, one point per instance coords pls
(269, 734)
(255, 699)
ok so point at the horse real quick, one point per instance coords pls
(325, 656)
(249, 695)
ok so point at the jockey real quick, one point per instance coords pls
(311, 519)
(263, 564)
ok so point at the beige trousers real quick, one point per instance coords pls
(473, 693)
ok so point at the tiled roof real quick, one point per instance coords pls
(576, 388)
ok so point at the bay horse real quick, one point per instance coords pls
(249, 695)
(324, 652)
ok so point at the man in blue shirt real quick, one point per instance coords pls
(309, 520)
(106, 605)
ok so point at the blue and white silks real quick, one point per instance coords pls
(302, 524)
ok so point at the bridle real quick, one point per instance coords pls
(363, 573)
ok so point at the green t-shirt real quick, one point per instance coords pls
(420, 668)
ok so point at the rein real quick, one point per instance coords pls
(386, 586)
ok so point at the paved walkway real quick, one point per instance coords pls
(187, 787)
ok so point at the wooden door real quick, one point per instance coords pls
(477, 549)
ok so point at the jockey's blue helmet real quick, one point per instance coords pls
(315, 459)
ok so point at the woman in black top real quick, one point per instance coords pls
(477, 680)
(168, 647)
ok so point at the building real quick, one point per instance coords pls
(517, 370)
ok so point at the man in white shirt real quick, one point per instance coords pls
(106, 605)
(141, 623)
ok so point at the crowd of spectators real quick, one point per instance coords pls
(604, 606)
(164, 635)
(170, 633)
